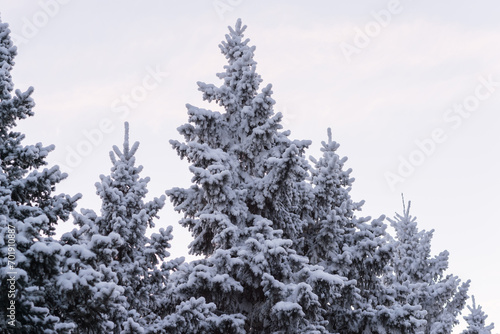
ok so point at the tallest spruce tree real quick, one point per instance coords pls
(246, 211)
(243, 165)
(29, 211)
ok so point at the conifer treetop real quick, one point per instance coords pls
(476, 320)
(241, 82)
(127, 153)
(417, 273)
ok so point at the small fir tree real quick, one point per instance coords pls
(476, 320)
(344, 244)
(419, 279)
(122, 253)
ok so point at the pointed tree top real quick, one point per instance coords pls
(238, 28)
(405, 211)
(331, 145)
(126, 139)
(477, 320)
(235, 47)
(127, 151)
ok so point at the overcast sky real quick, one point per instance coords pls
(410, 89)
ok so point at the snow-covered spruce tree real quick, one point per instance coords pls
(333, 210)
(476, 320)
(29, 212)
(346, 245)
(245, 209)
(128, 261)
(419, 281)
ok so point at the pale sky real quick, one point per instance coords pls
(410, 89)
